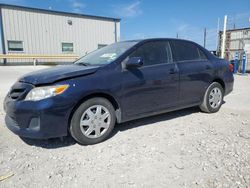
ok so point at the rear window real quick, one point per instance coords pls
(202, 55)
(185, 51)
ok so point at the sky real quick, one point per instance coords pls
(158, 18)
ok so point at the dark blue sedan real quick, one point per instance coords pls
(120, 82)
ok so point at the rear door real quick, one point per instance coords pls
(154, 86)
(194, 68)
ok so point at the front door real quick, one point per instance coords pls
(153, 87)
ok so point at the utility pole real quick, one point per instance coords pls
(177, 35)
(205, 37)
(234, 24)
(224, 37)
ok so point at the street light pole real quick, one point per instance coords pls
(224, 37)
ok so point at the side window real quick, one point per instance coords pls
(154, 53)
(184, 51)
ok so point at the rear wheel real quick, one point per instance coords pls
(93, 121)
(213, 98)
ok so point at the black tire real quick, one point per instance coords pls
(75, 129)
(205, 105)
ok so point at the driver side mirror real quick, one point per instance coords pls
(134, 62)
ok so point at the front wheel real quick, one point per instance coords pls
(93, 121)
(213, 98)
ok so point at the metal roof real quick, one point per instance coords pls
(59, 12)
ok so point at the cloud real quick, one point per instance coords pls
(242, 16)
(13, 1)
(195, 33)
(183, 27)
(139, 36)
(128, 10)
(238, 20)
(77, 6)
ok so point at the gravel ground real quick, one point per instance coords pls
(185, 148)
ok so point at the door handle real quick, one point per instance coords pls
(208, 67)
(172, 71)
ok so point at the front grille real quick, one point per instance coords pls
(19, 90)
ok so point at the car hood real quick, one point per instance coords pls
(61, 72)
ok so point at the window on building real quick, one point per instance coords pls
(67, 47)
(16, 46)
(101, 45)
(154, 53)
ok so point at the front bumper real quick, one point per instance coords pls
(43, 119)
(30, 132)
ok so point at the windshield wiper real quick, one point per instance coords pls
(83, 63)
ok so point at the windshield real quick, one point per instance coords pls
(106, 54)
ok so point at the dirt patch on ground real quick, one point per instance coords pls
(185, 148)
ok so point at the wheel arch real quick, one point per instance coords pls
(217, 79)
(107, 96)
(221, 82)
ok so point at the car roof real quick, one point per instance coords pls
(156, 39)
(141, 41)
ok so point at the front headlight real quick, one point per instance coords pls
(39, 93)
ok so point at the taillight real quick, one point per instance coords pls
(231, 67)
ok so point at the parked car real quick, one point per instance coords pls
(117, 83)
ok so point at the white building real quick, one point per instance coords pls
(237, 40)
(45, 32)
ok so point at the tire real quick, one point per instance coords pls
(93, 121)
(211, 101)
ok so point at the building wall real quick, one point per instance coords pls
(235, 41)
(43, 32)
